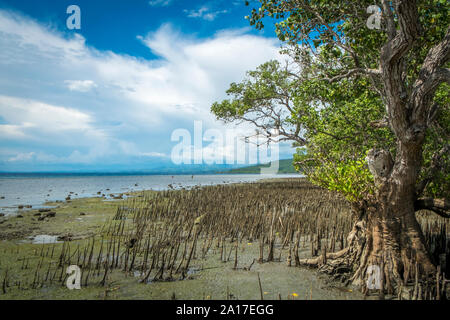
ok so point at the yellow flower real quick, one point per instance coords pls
(249, 243)
(295, 294)
(265, 292)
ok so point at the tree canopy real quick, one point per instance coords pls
(329, 97)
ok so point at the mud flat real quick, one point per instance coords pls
(205, 243)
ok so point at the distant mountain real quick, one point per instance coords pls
(161, 168)
(285, 166)
(136, 168)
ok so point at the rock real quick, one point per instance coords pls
(20, 207)
(82, 214)
(50, 214)
(67, 237)
(2, 214)
(68, 198)
(2, 198)
(41, 218)
(44, 210)
(130, 244)
(19, 216)
(28, 207)
(37, 214)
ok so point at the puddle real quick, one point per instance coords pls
(43, 239)
(192, 271)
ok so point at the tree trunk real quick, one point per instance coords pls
(386, 234)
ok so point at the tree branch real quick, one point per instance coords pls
(383, 123)
(389, 17)
(351, 72)
(338, 40)
(439, 206)
(434, 168)
(392, 55)
(430, 76)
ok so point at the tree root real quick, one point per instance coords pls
(373, 246)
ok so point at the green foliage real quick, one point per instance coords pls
(438, 135)
(325, 39)
(339, 135)
(350, 177)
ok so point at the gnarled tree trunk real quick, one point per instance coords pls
(387, 233)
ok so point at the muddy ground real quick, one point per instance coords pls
(78, 221)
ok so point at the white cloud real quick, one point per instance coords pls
(80, 85)
(159, 3)
(22, 157)
(153, 154)
(204, 13)
(34, 114)
(12, 131)
(136, 103)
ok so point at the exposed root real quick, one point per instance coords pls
(374, 244)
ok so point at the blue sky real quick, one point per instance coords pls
(110, 96)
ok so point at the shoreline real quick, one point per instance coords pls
(37, 198)
(75, 205)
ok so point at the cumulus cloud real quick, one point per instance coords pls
(48, 101)
(80, 85)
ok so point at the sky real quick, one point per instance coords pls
(112, 95)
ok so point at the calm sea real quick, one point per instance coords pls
(35, 190)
